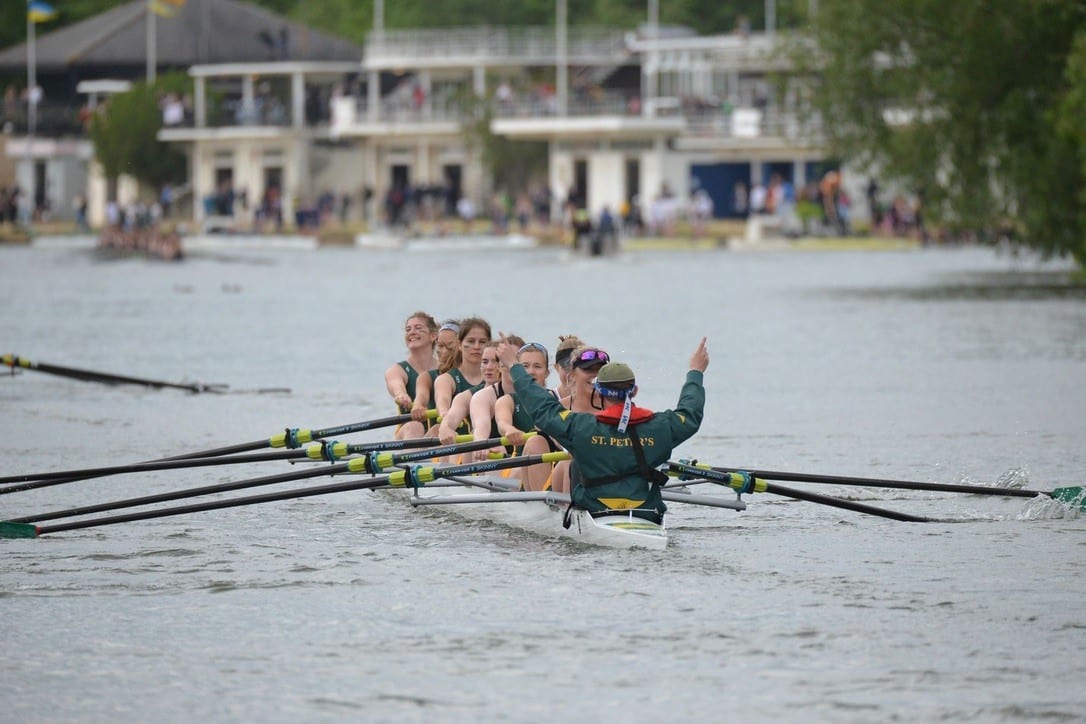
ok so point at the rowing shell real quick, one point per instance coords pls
(546, 513)
(542, 513)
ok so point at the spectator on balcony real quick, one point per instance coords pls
(504, 95)
(418, 96)
(742, 26)
(11, 103)
(173, 111)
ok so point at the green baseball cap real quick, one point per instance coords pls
(615, 375)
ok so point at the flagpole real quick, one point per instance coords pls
(31, 114)
(152, 39)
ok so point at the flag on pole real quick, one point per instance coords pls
(166, 8)
(39, 12)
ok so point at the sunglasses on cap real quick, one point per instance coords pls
(591, 358)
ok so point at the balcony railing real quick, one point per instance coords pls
(53, 119)
(530, 46)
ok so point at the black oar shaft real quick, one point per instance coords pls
(250, 483)
(757, 483)
(186, 493)
(880, 483)
(308, 436)
(46, 479)
(94, 376)
(401, 478)
(844, 504)
(214, 505)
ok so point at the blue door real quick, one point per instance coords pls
(720, 180)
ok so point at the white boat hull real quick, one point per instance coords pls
(540, 513)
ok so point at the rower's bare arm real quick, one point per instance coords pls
(481, 412)
(503, 416)
(396, 384)
(700, 359)
(423, 389)
(443, 393)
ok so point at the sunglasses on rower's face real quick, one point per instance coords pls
(591, 358)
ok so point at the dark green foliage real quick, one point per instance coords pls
(991, 130)
(125, 134)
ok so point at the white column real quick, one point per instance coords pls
(248, 107)
(479, 81)
(297, 99)
(373, 96)
(200, 102)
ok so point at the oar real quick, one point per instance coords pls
(364, 464)
(1072, 496)
(330, 451)
(108, 378)
(749, 482)
(293, 437)
(290, 437)
(418, 475)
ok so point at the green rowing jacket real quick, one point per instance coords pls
(601, 452)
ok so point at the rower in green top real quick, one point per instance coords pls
(617, 451)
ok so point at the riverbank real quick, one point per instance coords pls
(718, 235)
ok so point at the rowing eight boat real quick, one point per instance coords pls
(549, 514)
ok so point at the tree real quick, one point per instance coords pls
(510, 165)
(125, 135)
(977, 105)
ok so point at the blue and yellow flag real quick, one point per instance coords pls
(39, 12)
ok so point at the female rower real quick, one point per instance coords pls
(513, 419)
(477, 405)
(448, 336)
(585, 362)
(445, 349)
(563, 362)
(465, 367)
(403, 378)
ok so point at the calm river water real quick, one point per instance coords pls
(946, 365)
